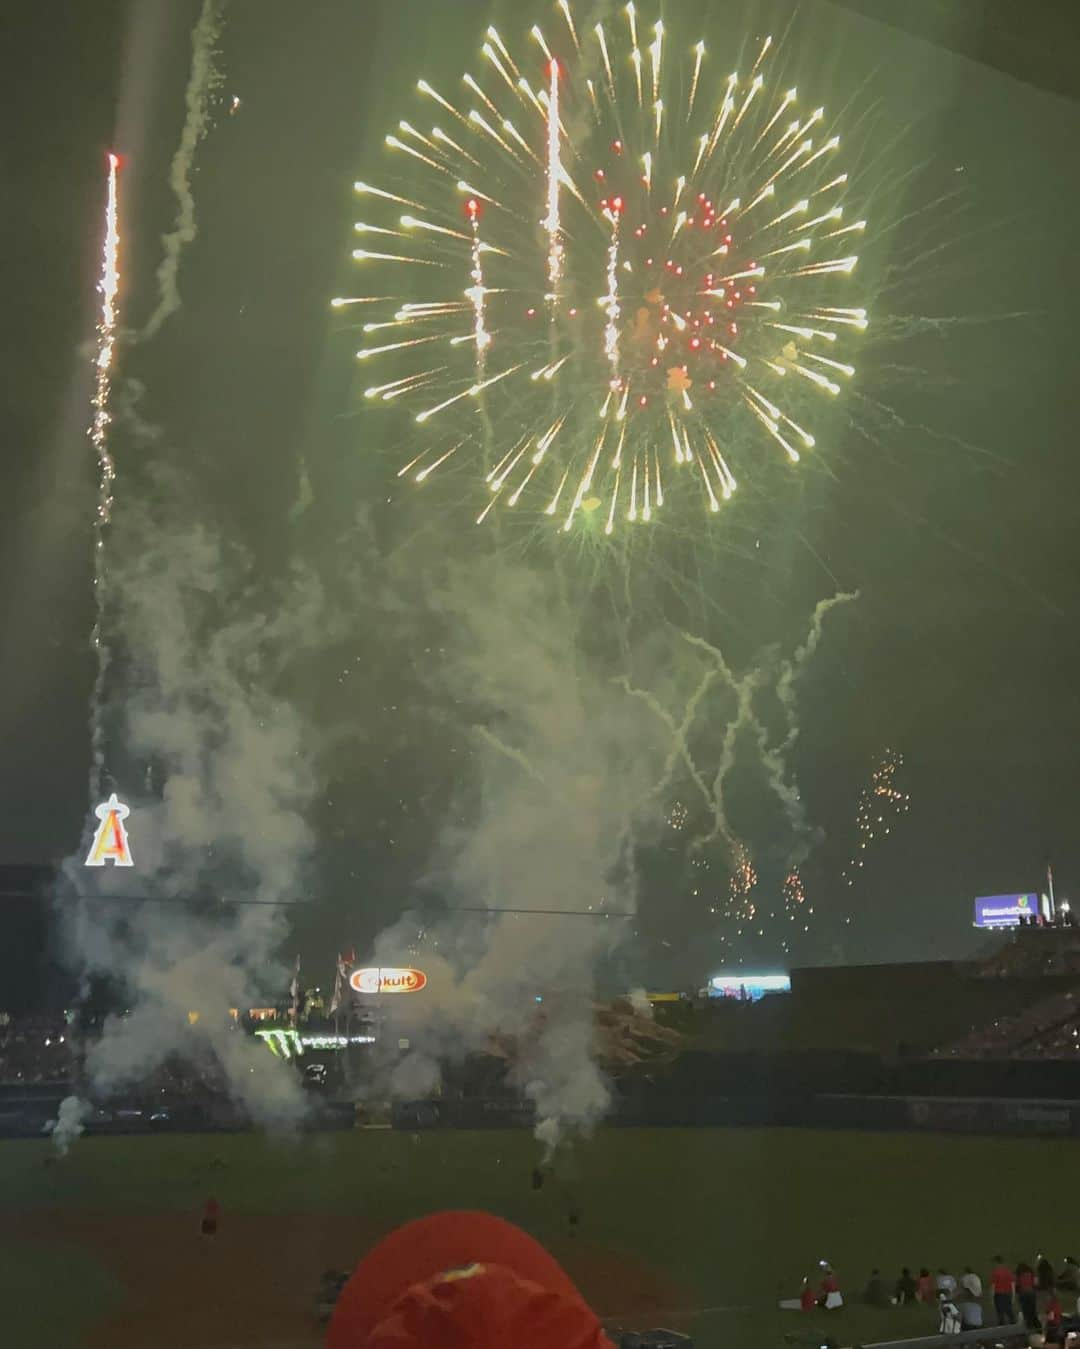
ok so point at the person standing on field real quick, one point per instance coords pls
(971, 1312)
(1001, 1283)
(211, 1216)
(1026, 1296)
(906, 1288)
(971, 1282)
(949, 1319)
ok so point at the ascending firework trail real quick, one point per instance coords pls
(108, 286)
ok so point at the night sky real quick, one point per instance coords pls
(951, 507)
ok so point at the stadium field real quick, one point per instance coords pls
(699, 1229)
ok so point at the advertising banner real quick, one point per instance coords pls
(1005, 910)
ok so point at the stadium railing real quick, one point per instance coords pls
(984, 1335)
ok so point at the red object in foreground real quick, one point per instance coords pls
(462, 1280)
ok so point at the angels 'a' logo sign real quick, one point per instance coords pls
(387, 979)
(110, 839)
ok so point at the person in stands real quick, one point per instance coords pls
(1069, 1278)
(1025, 1294)
(1001, 1282)
(971, 1283)
(927, 1290)
(971, 1312)
(1044, 1274)
(831, 1297)
(877, 1292)
(1052, 1318)
(945, 1282)
(906, 1288)
(949, 1322)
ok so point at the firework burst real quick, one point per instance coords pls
(607, 260)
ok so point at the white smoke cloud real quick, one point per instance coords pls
(569, 765)
(561, 761)
(415, 1076)
(68, 1125)
(206, 727)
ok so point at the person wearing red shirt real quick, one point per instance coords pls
(1025, 1294)
(1001, 1281)
(1052, 1317)
(830, 1290)
(211, 1215)
(926, 1289)
(807, 1298)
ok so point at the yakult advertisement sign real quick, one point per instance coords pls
(1005, 910)
(387, 979)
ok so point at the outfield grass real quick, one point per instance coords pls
(729, 1219)
(31, 1277)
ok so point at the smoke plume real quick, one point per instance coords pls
(793, 669)
(543, 822)
(68, 1125)
(215, 760)
(768, 673)
(203, 81)
(567, 768)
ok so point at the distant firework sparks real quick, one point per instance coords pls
(738, 909)
(741, 906)
(794, 895)
(880, 804)
(108, 287)
(691, 282)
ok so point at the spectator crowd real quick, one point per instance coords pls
(35, 1050)
(1045, 1300)
(1047, 1029)
(38, 1051)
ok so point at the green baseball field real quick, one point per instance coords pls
(703, 1230)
